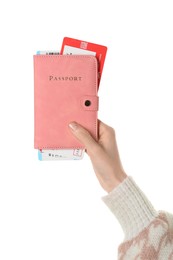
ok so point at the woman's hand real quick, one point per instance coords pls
(103, 153)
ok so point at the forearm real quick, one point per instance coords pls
(144, 228)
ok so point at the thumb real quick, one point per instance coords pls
(83, 136)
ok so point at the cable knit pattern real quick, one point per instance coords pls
(148, 233)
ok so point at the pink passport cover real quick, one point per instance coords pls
(65, 90)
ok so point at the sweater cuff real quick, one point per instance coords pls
(131, 207)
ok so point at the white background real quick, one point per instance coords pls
(53, 210)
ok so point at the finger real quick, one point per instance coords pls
(105, 129)
(83, 136)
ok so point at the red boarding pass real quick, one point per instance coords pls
(74, 46)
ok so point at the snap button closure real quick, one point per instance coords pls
(87, 103)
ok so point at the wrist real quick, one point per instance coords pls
(116, 181)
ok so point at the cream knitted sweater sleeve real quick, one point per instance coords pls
(148, 233)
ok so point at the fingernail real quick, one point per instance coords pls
(73, 126)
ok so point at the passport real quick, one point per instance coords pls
(65, 90)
